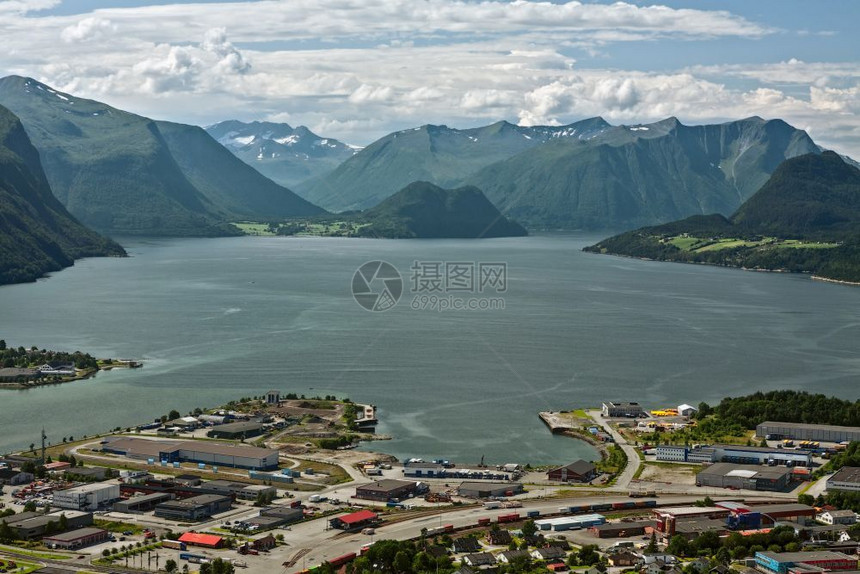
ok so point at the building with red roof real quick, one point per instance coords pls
(355, 520)
(204, 540)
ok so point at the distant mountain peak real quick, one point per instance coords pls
(285, 154)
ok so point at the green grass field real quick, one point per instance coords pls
(701, 245)
(250, 228)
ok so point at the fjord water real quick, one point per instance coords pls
(217, 319)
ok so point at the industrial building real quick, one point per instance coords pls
(574, 522)
(837, 517)
(74, 539)
(194, 508)
(236, 431)
(385, 490)
(782, 562)
(846, 480)
(733, 453)
(667, 518)
(87, 496)
(488, 489)
(622, 409)
(579, 471)
(202, 540)
(27, 525)
(143, 503)
(238, 490)
(15, 477)
(216, 454)
(253, 491)
(276, 516)
(623, 529)
(746, 477)
(355, 520)
(772, 513)
(672, 452)
(798, 431)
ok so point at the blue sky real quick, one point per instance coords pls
(358, 69)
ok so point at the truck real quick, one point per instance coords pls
(191, 557)
(175, 544)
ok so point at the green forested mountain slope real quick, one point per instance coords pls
(629, 176)
(424, 210)
(119, 173)
(37, 234)
(437, 154)
(805, 218)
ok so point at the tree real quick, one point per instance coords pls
(652, 545)
(30, 506)
(6, 533)
(173, 415)
(678, 546)
(588, 555)
(64, 523)
(529, 528)
(402, 562)
(170, 565)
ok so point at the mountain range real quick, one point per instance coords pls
(282, 153)
(37, 234)
(585, 175)
(805, 218)
(437, 154)
(125, 174)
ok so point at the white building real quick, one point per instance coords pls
(672, 453)
(686, 410)
(846, 480)
(837, 517)
(87, 496)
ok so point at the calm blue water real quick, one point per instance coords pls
(216, 319)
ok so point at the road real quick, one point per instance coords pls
(633, 460)
(323, 544)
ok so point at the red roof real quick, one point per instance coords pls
(200, 539)
(359, 516)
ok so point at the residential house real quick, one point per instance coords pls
(624, 559)
(499, 537)
(479, 559)
(467, 544)
(511, 555)
(549, 553)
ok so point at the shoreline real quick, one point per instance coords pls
(808, 274)
(83, 375)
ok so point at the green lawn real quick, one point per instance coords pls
(116, 526)
(20, 567)
(701, 245)
(249, 228)
(35, 553)
(684, 243)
